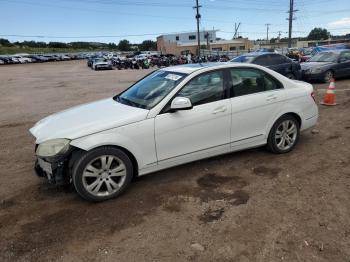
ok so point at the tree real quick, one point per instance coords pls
(124, 45)
(318, 33)
(5, 42)
(148, 45)
(112, 46)
(57, 45)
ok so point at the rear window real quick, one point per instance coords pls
(243, 59)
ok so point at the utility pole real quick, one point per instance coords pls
(236, 30)
(290, 19)
(267, 32)
(198, 16)
(279, 35)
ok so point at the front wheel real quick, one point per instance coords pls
(328, 76)
(102, 174)
(284, 135)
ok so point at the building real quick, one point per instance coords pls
(167, 44)
(189, 37)
(183, 43)
(236, 46)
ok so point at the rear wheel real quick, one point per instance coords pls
(284, 135)
(102, 174)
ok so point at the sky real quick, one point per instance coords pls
(113, 20)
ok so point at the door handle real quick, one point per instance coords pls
(220, 110)
(271, 97)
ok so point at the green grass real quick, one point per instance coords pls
(30, 50)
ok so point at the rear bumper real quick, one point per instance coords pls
(309, 122)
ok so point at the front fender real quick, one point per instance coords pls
(137, 138)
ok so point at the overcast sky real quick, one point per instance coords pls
(113, 20)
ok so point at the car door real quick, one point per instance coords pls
(256, 100)
(280, 64)
(344, 64)
(204, 129)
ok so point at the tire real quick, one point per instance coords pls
(95, 183)
(328, 75)
(279, 140)
(290, 76)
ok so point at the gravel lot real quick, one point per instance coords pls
(246, 206)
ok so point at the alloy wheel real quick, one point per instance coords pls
(104, 175)
(328, 76)
(286, 134)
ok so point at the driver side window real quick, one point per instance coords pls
(345, 57)
(205, 88)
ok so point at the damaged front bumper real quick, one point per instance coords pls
(55, 169)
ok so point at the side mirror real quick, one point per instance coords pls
(180, 103)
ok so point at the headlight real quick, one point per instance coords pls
(53, 147)
(315, 70)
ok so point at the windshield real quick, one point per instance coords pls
(243, 59)
(324, 57)
(150, 90)
(98, 60)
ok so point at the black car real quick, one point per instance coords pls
(90, 60)
(327, 65)
(6, 59)
(274, 61)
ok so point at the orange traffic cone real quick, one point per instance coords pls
(329, 97)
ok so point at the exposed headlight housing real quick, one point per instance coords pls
(53, 147)
(316, 70)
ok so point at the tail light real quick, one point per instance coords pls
(313, 96)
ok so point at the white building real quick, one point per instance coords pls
(190, 37)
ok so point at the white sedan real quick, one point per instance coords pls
(172, 116)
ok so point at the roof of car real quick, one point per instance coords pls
(336, 51)
(189, 68)
(259, 53)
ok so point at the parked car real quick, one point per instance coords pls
(2, 62)
(65, 58)
(42, 58)
(22, 59)
(14, 60)
(327, 65)
(265, 50)
(274, 61)
(173, 116)
(90, 60)
(305, 54)
(50, 58)
(6, 59)
(101, 63)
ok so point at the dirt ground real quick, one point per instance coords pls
(245, 206)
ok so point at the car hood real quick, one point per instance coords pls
(308, 65)
(86, 119)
